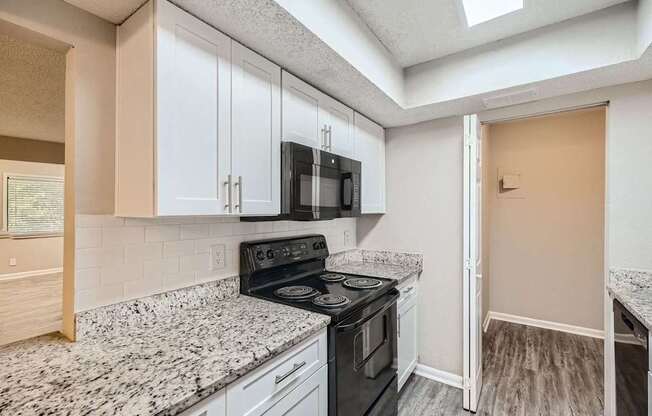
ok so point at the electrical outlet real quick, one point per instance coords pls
(347, 238)
(218, 256)
(12, 261)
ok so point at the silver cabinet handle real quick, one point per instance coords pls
(294, 369)
(408, 290)
(239, 204)
(227, 204)
(324, 141)
(330, 138)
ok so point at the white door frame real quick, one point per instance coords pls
(472, 277)
(543, 109)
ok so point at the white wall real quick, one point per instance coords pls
(644, 25)
(120, 259)
(424, 214)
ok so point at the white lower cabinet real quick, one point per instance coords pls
(215, 405)
(407, 330)
(293, 384)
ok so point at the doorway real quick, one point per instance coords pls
(534, 268)
(35, 195)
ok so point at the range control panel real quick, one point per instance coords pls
(266, 254)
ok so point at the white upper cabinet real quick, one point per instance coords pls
(314, 119)
(193, 103)
(256, 133)
(198, 120)
(370, 151)
(301, 115)
(339, 121)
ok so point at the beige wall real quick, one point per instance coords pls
(32, 85)
(94, 101)
(546, 240)
(424, 214)
(12, 148)
(30, 253)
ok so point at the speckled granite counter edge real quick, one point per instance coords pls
(114, 318)
(632, 288)
(412, 260)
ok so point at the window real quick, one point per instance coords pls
(480, 11)
(33, 204)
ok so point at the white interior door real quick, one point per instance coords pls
(472, 263)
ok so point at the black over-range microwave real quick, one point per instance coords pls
(316, 185)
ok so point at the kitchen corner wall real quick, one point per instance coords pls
(424, 214)
(118, 259)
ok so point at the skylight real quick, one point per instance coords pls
(480, 11)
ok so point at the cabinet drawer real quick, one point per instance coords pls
(408, 292)
(214, 405)
(259, 390)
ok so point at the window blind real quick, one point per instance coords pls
(34, 205)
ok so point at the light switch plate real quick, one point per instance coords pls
(218, 257)
(12, 261)
(347, 238)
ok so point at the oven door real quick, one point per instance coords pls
(366, 359)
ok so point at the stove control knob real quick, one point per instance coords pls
(286, 251)
(260, 255)
(270, 254)
(316, 245)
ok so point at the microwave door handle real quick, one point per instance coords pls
(347, 206)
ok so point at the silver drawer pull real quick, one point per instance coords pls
(408, 290)
(295, 368)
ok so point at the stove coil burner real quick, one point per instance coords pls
(331, 301)
(332, 277)
(362, 283)
(296, 292)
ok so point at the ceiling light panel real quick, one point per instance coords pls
(480, 11)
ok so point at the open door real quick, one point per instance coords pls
(472, 270)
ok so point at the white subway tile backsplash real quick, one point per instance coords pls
(125, 258)
(194, 231)
(88, 237)
(162, 233)
(178, 248)
(120, 236)
(195, 263)
(145, 251)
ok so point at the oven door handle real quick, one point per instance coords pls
(357, 324)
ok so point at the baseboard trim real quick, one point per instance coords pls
(555, 326)
(441, 376)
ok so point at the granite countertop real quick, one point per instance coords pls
(153, 367)
(634, 290)
(383, 264)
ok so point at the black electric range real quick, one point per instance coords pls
(362, 351)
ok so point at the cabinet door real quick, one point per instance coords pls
(307, 399)
(256, 133)
(407, 340)
(339, 118)
(301, 116)
(214, 405)
(370, 150)
(193, 101)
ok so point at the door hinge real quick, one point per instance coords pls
(467, 264)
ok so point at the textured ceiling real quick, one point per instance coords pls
(416, 31)
(32, 91)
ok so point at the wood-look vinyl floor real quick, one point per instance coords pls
(527, 372)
